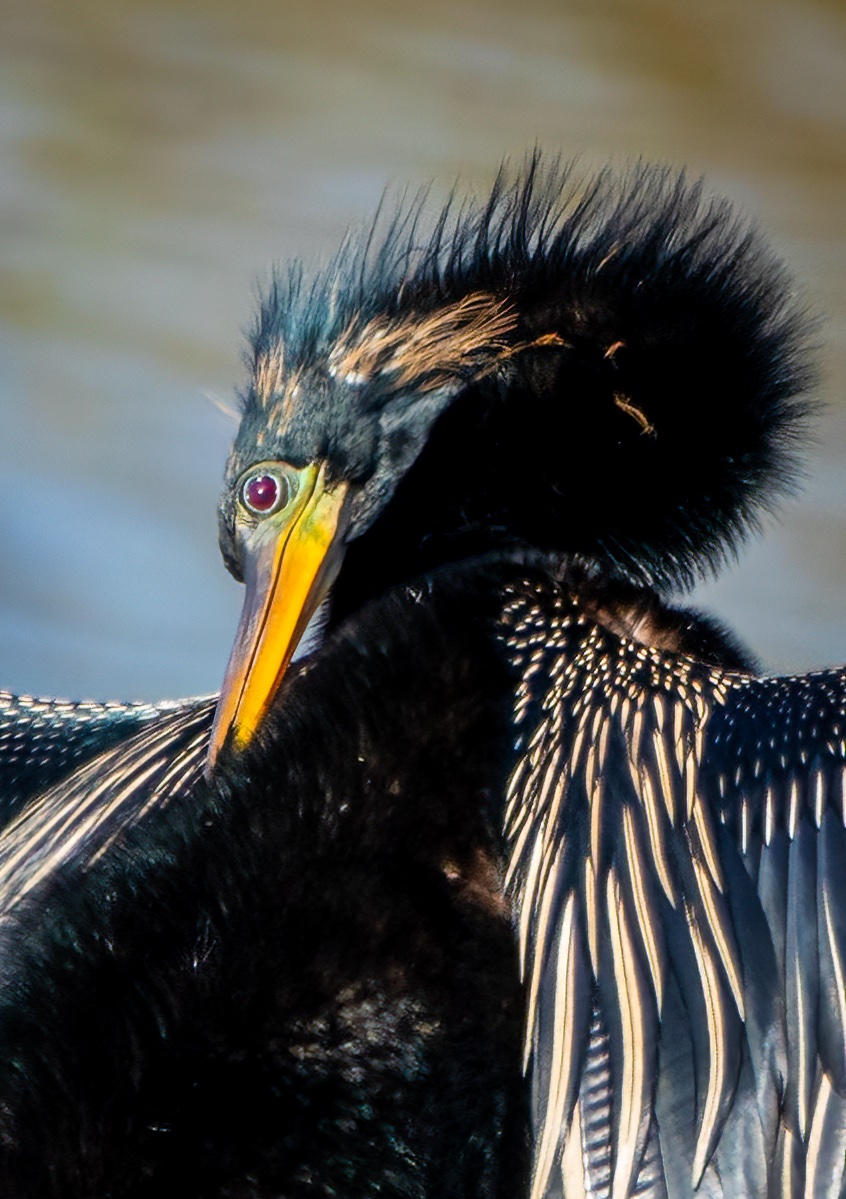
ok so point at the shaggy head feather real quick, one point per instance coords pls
(614, 368)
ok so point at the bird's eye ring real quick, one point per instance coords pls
(263, 492)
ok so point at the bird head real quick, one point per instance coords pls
(610, 368)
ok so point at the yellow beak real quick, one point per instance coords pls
(292, 558)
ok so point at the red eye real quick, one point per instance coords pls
(264, 493)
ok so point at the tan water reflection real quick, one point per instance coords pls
(155, 156)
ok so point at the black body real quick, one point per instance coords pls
(528, 886)
(300, 980)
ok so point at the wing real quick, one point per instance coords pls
(677, 869)
(87, 811)
(41, 740)
(773, 776)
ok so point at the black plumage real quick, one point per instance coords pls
(318, 1016)
(523, 882)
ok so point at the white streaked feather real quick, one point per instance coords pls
(720, 929)
(46, 820)
(539, 955)
(527, 900)
(68, 820)
(716, 1021)
(645, 916)
(591, 892)
(654, 820)
(633, 1119)
(705, 834)
(572, 1159)
(664, 774)
(678, 736)
(562, 1053)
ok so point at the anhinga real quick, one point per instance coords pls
(523, 882)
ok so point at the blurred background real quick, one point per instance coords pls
(157, 155)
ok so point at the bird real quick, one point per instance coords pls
(522, 880)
